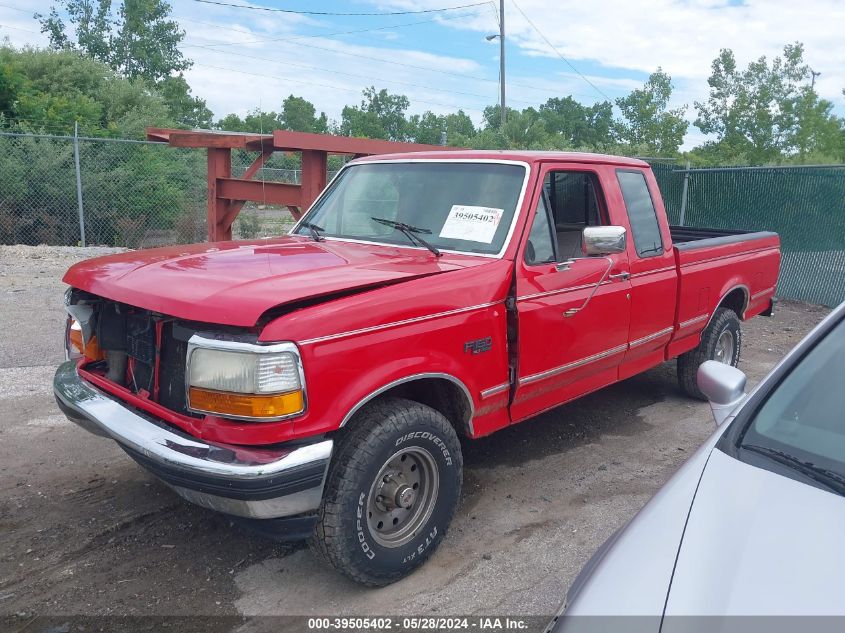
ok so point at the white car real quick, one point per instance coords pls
(753, 524)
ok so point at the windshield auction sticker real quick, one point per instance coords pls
(476, 224)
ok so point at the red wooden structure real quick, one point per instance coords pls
(227, 195)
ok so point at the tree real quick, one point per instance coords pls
(457, 124)
(188, 110)
(427, 128)
(55, 89)
(765, 112)
(525, 130)
(299, 114)
(380, 115)
(578, 126)
(10, 84)
(138, 41)
(647, 124)
(147, 42)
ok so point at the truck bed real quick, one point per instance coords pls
(737, 269)
(687, 238)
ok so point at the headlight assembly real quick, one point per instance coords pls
(244, 380)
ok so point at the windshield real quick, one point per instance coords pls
(466, 207)
(802, 424)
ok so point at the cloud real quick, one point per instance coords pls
(244, 59)
(681, 36)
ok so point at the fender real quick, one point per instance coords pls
(723, 295)
(400, 381)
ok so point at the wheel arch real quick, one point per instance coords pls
(442, 392)
(736, 298)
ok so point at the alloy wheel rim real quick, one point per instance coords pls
(402, 496)
(724, 352)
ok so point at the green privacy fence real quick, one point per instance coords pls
(805, 205)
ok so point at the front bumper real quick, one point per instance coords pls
(258, 483)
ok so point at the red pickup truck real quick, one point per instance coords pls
(317, 383)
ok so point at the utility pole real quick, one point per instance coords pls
(502, 60)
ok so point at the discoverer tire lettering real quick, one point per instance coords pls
(383, 432)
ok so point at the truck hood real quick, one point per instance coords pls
(758, 543)
(234, 283)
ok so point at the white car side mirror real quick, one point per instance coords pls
(723, 385)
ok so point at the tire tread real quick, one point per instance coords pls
(370, 427)
(689, 362)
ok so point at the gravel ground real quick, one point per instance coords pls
(85, 531)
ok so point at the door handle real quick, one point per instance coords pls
(624, 275)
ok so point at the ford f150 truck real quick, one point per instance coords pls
(318, 382)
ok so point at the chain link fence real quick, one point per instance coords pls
(805, 205)
(67, 191)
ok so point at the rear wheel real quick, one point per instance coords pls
(391, 492)
(721, 341)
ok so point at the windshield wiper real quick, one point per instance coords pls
(828, 478)
(314, 230)
(411, 232)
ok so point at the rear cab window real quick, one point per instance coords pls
(641, 212)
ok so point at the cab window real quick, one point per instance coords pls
(573, 198)
(540, 249)
(641, 213)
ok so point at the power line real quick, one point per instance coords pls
(552, 46)
(367, 77)
(319, 85)
(214, 46)
(334, 13)
(300, 37)
(394, 63)
(8, 6)
(17, 28)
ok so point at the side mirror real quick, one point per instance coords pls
(603, 240)
(723, 385)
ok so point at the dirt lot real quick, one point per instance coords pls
(86, 531)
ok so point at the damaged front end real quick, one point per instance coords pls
(128, 377)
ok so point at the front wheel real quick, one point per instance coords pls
(391, 492)
(721, 341)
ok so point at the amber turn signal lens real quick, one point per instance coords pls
(246, 405)
(91, 351)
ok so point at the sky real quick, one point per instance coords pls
(598, 50)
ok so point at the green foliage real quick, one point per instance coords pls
(249, 226)
(574, 125)
(647, 123)
(138, 40)
(187, 110)
(765, 113)
(380, 115)
(299, 114)
(49, 91)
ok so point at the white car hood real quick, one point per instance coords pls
(758, 543)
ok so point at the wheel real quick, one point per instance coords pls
(391, 491)
(720, 341)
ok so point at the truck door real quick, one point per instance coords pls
(573, 319)
(654, 277)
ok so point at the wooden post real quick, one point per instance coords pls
(219, 166)
(226, 195)
(315, 164)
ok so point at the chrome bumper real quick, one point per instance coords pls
(259, 483)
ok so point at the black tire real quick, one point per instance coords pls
(724, 321)
(344, 536)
